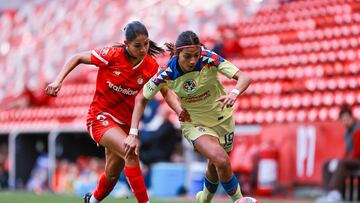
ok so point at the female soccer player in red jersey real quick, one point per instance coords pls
(206, 111)
(123, 70)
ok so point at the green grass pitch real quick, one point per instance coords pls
(24, 197)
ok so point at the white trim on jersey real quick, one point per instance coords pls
(91, 132)
(112, 117)
(99, 57)
(135, 67)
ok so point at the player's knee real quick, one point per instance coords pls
(221, 162)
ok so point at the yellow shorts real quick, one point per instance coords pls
(223, 131)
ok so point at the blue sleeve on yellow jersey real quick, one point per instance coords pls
(209, 57)
(166, 72)
(171, 71)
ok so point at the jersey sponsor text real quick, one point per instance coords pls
(127, 91)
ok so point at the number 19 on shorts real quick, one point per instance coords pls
(229, 138)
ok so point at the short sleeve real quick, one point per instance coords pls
(152, 67)
(228, 69)
(151, 88)
(158, 81)
(211, 58)
(102, 57)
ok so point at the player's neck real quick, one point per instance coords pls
(133, 60)
(179, 67)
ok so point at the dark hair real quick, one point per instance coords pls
(345, 109)
(186, 38)
(136, 28)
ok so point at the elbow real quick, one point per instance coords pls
(84, 57)
(76, 59)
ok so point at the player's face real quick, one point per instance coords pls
(347, 120)
(139, 47)
(188, 58)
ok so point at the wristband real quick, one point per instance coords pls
(134, 131)
(235, 91)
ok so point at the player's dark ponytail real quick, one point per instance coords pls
(154, 49)
(135, 28)
(184, 40)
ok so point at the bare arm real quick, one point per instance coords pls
(131, 141)
(140, 104)
(243, 82)
(171, 99)
(54, 87)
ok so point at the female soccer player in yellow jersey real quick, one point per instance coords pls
(205, 108)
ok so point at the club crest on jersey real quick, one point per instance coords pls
(201, 129)
(103, 120)
(189, 85)
(104, 51)
(140, 80)
(105, 123)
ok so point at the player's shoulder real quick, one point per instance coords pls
(210, 57)
(172, 63)
(165, 72)
(151, 65)
(109, 52)
(170, 67)
(151, 61)
(117, 51)
(206, 52)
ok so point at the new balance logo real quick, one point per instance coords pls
(117, 72)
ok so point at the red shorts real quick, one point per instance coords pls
(99, 124)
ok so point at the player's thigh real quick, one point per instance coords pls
(193, 132)
(223, 132)
(209, 147)
(113, 139)
(114, 164)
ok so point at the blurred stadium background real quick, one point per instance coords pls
(303, 56)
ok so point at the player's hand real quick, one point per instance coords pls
(131, 145)
(184, 116)
(228, 100)
(53, 88)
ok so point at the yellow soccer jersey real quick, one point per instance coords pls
(198, 89)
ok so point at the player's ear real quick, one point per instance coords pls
(126, 42)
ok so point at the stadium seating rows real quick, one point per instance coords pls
(303, 56)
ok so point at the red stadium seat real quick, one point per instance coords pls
(301, 115)
(269, 117)
(290, 116)
(312, 115)
(303, 57)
